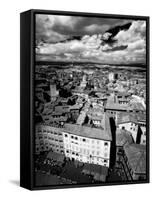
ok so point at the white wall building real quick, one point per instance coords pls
(88, 145)
(131, 127)
(82, 143)
(48, 137)
(111, 77)
(135, 124)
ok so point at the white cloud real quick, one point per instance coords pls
(134, 37)
(45, 24)
(89, 46)
(135, 34)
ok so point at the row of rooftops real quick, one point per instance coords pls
(127, 107)
(89, 132)
(131, 117)
(58, 110)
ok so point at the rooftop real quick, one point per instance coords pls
(62, 109)
(81, 118)
(137, 106)
(117, 106)
(130, 117)
(123, 137)
(76, 106)
(136, 155)
(96, 114)
(89, 132)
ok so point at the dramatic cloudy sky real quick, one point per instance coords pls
(105, 40)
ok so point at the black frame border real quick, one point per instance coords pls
(31, 175)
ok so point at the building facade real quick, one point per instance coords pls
(48, 138)
(81, 143)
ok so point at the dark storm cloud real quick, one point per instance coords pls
(83, 26)
(113, 32)
(116, 29)
(54, 29)
(117, 48)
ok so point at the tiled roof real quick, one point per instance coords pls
(116, 106)
(96, 133)
(123, 137)
(130, 117)
(136, 155)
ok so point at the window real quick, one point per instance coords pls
(66, 135)
(105, 161)
(76, 138)
(67, 151)
(106, 143)
(84, 140)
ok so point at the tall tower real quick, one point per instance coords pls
(111, 76)
(53, 91)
